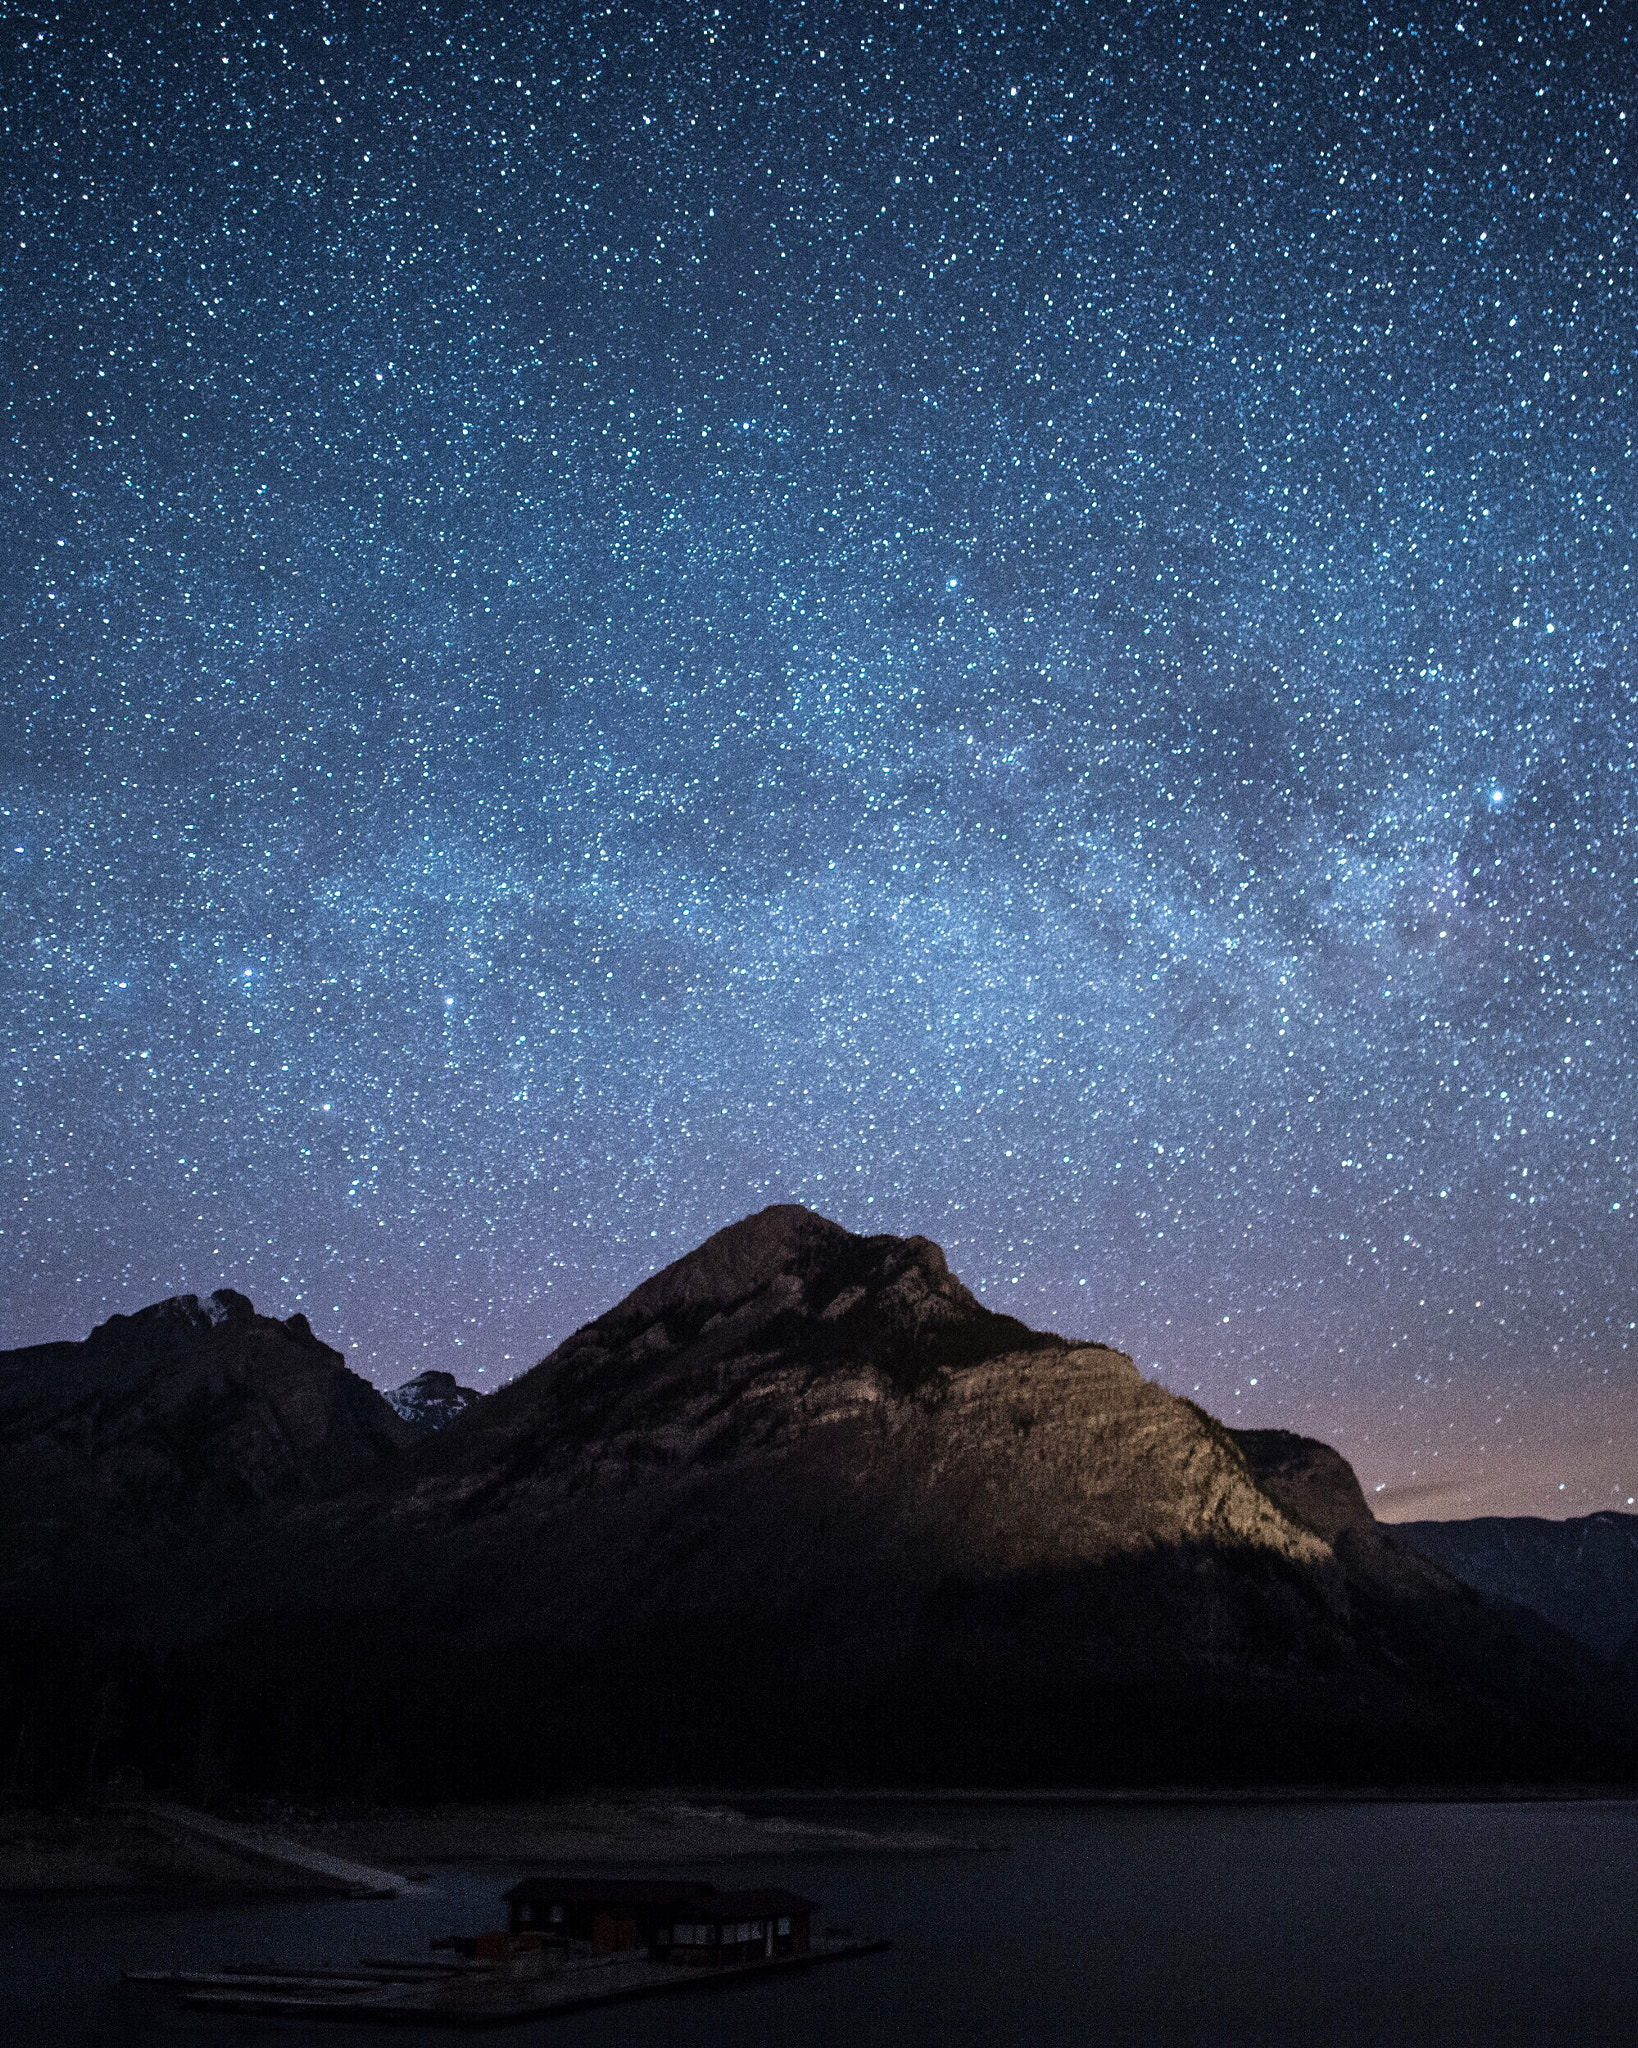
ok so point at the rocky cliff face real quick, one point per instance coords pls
(1308, 1479)
(788, 1360)
(789, 1346)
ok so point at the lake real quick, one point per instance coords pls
(1169, 1924)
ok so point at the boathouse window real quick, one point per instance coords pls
(557, 1915)
(784, 1923)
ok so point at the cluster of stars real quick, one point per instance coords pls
(1014, 622)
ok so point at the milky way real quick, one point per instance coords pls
(1010, 622)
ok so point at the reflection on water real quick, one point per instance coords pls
(1356, 1925)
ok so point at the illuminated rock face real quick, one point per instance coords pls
(787, 1351)
(800, 1505)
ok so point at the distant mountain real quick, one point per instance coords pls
(799, 1509)
(1580, 1574)
(431, 1400)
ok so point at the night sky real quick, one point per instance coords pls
(1010, 621)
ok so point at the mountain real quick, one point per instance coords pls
(430, 1401)
(161, 1427)
(801, 1509)
(1580, 1574)
(130, 1463)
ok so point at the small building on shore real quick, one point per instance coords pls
(680, 1923)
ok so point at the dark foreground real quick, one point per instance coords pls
(1371, 1925)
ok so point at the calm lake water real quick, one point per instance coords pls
(1356, 1925)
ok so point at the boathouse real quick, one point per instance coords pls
(681, 1923)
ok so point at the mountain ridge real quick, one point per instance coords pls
(1579, 1573)
(800, 1506)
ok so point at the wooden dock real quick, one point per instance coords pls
(408, 1992)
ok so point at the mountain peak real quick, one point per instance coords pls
(733, 1263)
(1309, 1479)
(783, 1296)
(430, 1400)
(177, 1322)
(785, 1289)
(787, 1259)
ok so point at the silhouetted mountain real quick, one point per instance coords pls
(163, 1426)
(431, 1400)
(800, 1508)
(1580, 1574)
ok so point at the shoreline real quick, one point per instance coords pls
(1194, 1795)
(117, 1851)
(121, 1850)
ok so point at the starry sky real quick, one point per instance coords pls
(1013, 621)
